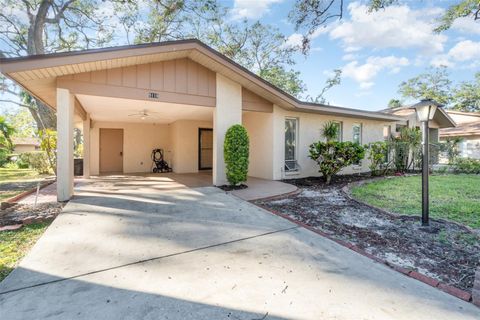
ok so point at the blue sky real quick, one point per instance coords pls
(376, 51)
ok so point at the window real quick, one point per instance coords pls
(291, 137)
(357, 133)
(339, 131)
(386, 132)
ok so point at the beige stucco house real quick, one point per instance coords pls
(468, 129)
(21, 145)
(180, 96)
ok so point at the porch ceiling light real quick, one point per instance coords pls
(426, 109)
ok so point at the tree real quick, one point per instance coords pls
(310, 15)
(466, 96)
(432, 84)
(331, 82)
(6, 133)
(30, 27)
(23, 123)
(394, 103)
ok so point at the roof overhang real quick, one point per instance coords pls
(441, 117)
(37, 74)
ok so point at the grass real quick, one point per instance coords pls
(452, 197)
(7, 175)
(15, 244)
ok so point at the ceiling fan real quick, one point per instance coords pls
(144, 114)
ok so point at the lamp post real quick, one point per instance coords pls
(425, 111)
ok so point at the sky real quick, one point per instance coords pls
(375, 51)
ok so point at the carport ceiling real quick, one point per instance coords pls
(118, 110)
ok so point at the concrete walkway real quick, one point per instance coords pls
(123, 250)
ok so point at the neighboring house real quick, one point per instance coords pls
(21, 145)
(180, 96)
(468, 129)
(441, 120)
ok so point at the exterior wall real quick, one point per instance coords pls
(139, 140)
(184, 142)
(309, 130)
(228, 111)
(21, 148)
(469, 147)
(260, 131)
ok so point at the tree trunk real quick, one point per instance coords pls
(45, 117)
(328, 179)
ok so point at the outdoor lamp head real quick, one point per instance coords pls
(426, 109)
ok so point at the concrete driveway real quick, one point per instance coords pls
(152, 248)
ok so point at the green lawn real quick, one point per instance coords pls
(452, 197)
(15, 244)
(17, 174)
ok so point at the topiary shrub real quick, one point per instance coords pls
(235, 152)
(333, 156)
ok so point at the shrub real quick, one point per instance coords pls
(467, 165)
(48, 143)
(330, 130)
(334, 156)
(235, 152)
(3, 156)
(37, 160)
(451, 148)
(377, 154)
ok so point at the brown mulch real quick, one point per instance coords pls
(446, 251)
(27, 213)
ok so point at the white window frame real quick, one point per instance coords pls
(360, 126)
(297, 128)
(340, 130)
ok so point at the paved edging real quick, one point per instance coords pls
(28, 192)
(458, 293)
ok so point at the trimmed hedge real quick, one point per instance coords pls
(236, 152)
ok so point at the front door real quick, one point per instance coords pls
(111, 150)
(205, 149)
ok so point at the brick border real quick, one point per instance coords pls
(456, 292)
(28, 192)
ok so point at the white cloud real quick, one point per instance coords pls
(365, 73)
(294, 40)
(251, 9)
(349, 57)
(466, 25)
(393, 27)
(463, 51)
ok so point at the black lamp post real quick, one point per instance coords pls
(425, 110)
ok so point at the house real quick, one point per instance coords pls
(468, 129)
(21, 145)
(180, 96)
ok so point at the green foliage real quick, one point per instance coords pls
(466, 96)
(464, 8)
(6, 133)
(3, 156)
(433, 84)
(36, 160)
(332, 156)
(48, 144)
(467, 165)
(236, 152)
(450, 147)
(23, 122)
(330, 131)
(287, 80)
(405, 147)
(377, 154)
(394, 103)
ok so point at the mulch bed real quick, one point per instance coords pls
(231, 188)
(26, 213)
(447, 251)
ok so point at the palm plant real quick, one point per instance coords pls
(330, 130)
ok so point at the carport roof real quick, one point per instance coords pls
(38, 73)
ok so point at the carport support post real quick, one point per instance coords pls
(228, 111)
(65, 110)
(86, 147)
